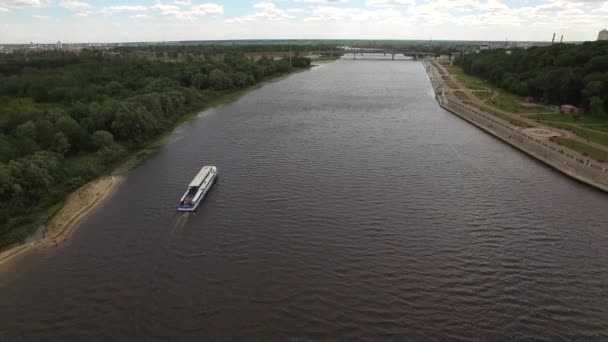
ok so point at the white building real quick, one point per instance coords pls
(59, 45)
(603, 35)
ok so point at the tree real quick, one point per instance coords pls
(5, 182)
(219, 80)
(75, 134)
(596, 106)
(200, 81)
(102, 139)
(97, 106)
(114, 88)
(61, 144)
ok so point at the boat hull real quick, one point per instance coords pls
(204, 192)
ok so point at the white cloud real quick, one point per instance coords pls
(391, 19)
(74, 5)
(264, 11)
(190, 13)
(205, 9)
(330, 13)
(167, 9)
(25, 3)
(38, 16)
(140, 16)
(323, 1)
(113, 9)
(390, 3)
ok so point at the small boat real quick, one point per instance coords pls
(198, 188)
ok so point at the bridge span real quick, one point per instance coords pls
(361, 51)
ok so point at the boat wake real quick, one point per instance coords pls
(179, 223)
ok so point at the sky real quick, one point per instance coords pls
(70, 21)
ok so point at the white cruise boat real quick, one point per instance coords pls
(198, 188)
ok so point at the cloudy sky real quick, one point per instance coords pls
(23, 21)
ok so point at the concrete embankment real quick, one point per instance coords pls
(554, 155)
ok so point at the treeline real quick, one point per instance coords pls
(67, 118)
(214, 49)
(556, 74)
(210, 49)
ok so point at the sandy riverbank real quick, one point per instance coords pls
(78, 205)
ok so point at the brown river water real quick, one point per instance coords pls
(349, 206)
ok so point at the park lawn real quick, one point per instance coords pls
(596, 127)
(439, 69)
(502, 100)
(483, 95)
(472, 82)
(582, 148)
(513, 121)
(538, 109)
(561, 117)
(596, 137)
(462, 96)
(511, 103)
(450, 83)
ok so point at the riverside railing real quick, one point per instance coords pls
(549, 150)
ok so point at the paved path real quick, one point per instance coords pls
(448, 93)
(530, 122)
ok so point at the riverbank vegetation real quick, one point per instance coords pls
(556, 74)
(553, 75)
(67, 118)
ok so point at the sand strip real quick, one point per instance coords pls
(78, 205)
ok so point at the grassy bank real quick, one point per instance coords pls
(17, 229)
(494, 96)
(592, 129)
(584, 149)
(325, 58)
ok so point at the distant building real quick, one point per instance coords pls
(603, 35)
(568, 109)
(484, 46)
(59, 45)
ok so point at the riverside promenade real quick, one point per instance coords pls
(538, 146)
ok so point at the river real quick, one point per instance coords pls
(349, 206)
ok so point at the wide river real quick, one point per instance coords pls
(349, 206)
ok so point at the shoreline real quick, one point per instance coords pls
(75, 209)
(545, 152)
(78, 206)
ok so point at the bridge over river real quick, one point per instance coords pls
(361, 51)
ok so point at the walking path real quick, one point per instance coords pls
(530, 122)
(533, 139)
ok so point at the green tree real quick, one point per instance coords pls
(200, 81)
(219, 80)
(61, 144)
(596, 106)
(102, 139)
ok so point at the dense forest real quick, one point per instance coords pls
(172, 50)
(66, 118)
(556, 74)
